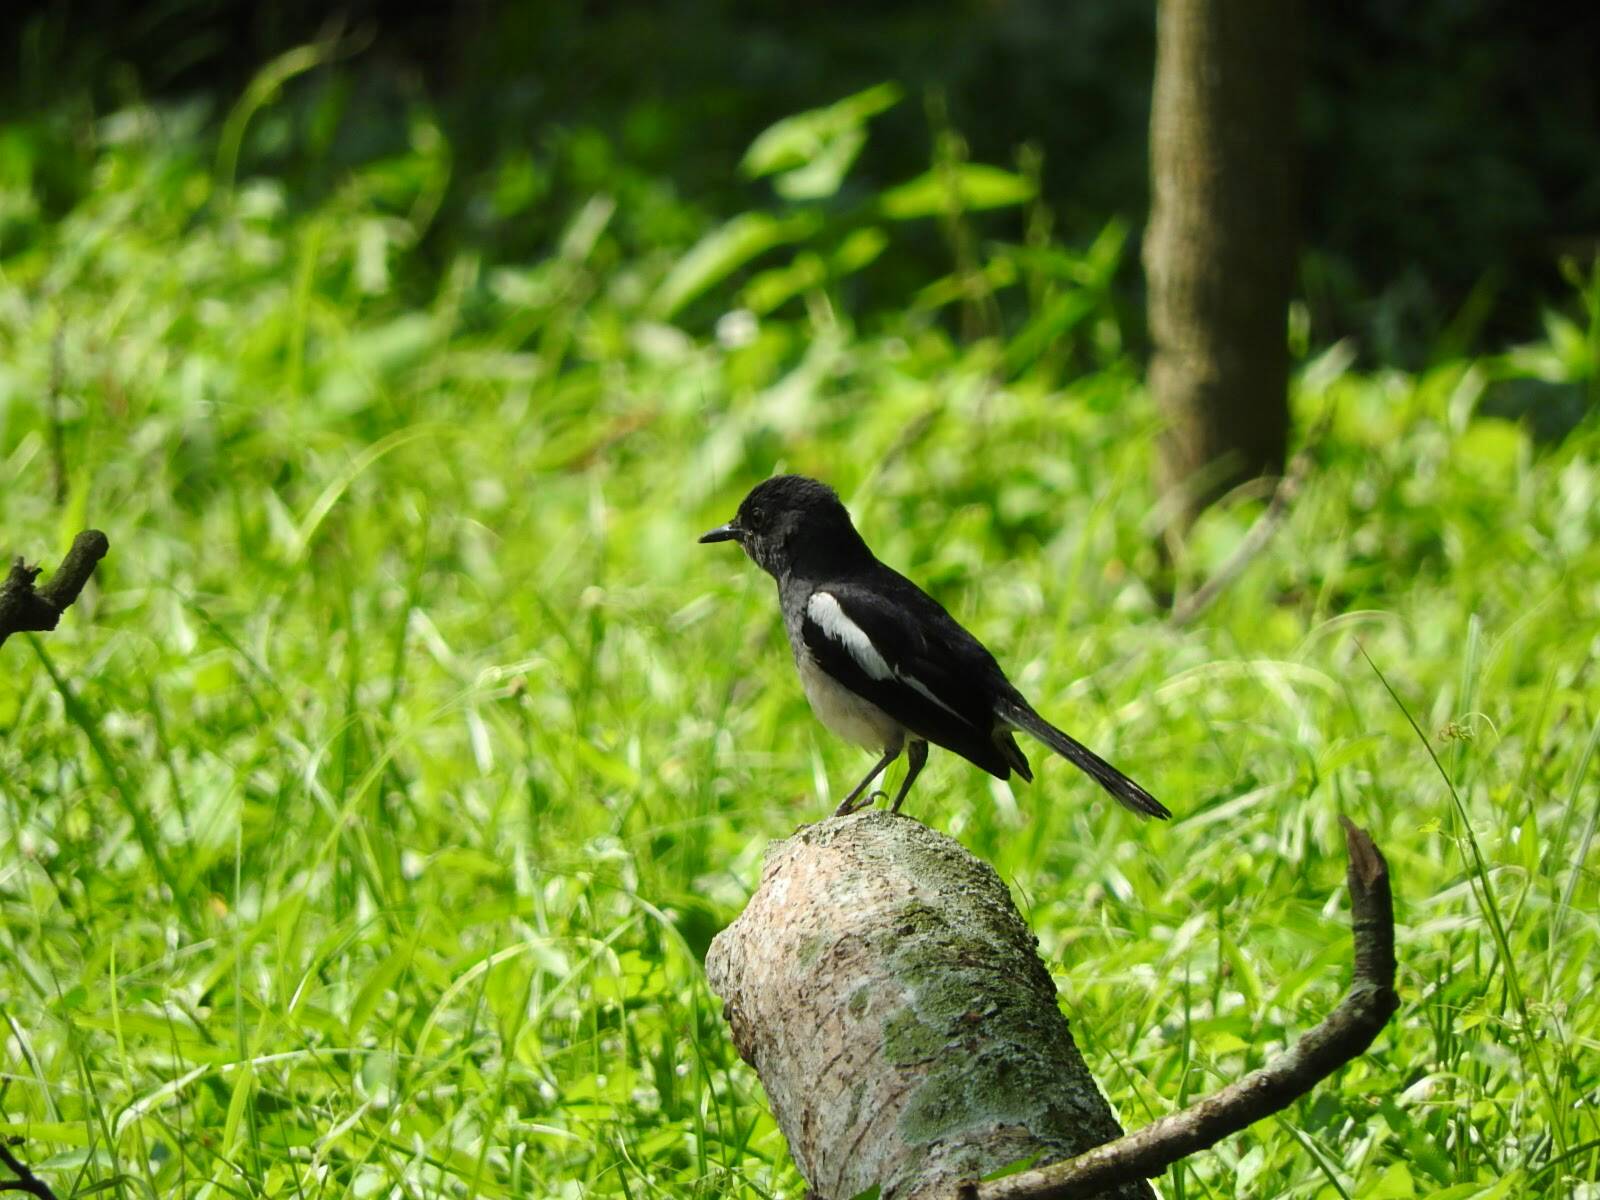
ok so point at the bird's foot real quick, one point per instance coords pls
(852, 804)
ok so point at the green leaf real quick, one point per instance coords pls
(996, 274)
(72, 1133)
(1492, 1190)
(1394, 1184)
(821, 177)
(723, 251)
(948, 190)
(1492, 447)
(1057, 318)
(771, 288)
(379, 982)
(243, 1089)
(859, 249)
(797, 141)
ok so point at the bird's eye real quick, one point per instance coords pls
(757, 514)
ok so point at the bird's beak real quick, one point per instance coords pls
(723, 533)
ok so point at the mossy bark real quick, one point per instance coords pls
(894, 1005)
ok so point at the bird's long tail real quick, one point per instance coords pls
(1128, 793)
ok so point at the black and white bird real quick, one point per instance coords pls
(882, 663)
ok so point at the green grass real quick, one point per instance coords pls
(362, 831)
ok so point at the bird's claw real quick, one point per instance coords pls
(847, 807)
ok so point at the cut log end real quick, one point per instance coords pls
(892, 1000)
(884, 987)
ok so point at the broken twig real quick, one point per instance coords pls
(25, 608)
(26, 1180)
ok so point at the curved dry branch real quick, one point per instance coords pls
(1345, 1033)
(24, 608)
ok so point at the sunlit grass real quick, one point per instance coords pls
(363, 831)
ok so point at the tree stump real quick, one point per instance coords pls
(892, 1000)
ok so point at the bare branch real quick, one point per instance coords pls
(1344, 1034)
(26, 608)
(26, 1180)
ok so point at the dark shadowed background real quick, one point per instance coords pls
(1449, 145)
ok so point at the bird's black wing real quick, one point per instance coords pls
(891, 643)
(888, 640)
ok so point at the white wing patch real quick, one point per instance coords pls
(825, 611)
(831, 619)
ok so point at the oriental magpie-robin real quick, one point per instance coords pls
(882, 663)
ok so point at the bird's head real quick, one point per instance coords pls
(792, 523)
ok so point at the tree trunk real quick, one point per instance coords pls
(1220, 248)
(890, 997)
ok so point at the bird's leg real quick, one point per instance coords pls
(848, 805)
(916, 756)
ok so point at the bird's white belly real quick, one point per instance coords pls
(847, 714)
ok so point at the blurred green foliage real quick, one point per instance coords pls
(362, 829)
(1449, 146)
